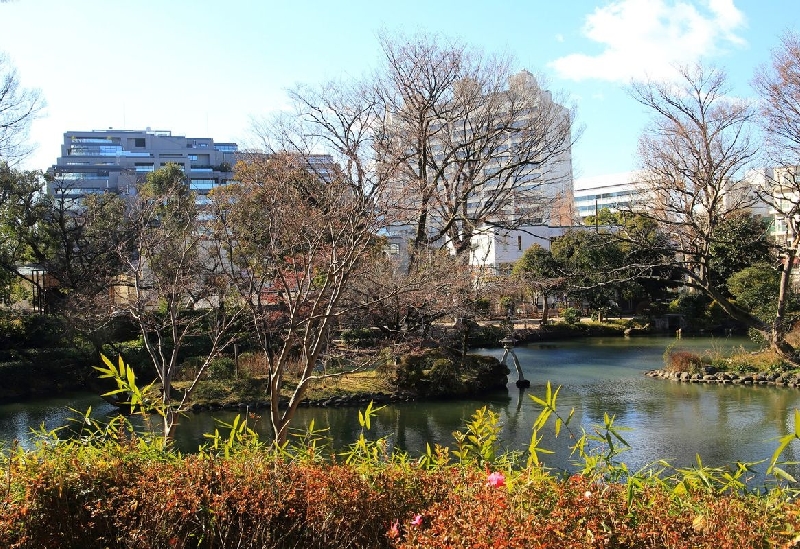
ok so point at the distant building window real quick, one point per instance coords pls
(201, 184)
(97, 140)
(226, 147)
(193, 157)
(95, 150)
(138, 142)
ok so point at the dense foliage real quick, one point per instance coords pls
(109, 488)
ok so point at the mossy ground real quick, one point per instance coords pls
(255, 388)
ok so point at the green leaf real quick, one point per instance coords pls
(784, 442)
(778, 472)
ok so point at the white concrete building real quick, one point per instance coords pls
(617, 191)
(496, 249)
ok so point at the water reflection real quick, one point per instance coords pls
(669, 420)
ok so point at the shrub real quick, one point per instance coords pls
(437, 373)
(482, 306)
(211, 391)
(111, 490)
(222, 368)
(358, 337)
(571, 315)
(684, 361)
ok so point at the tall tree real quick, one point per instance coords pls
(466, 140)
(742, 241)
(81, 250)
(18, 108)
(453, 137)
(779, 88)
(594, 267)
(695, 154)
(291, 244)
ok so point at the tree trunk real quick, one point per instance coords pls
(778, 336)
(544, 311)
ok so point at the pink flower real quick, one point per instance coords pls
(417, 520)
(394, 531)
(496, 480)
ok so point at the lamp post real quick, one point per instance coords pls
(508, 345)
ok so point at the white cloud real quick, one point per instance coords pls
(648, 37)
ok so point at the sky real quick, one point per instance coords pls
(207, 69)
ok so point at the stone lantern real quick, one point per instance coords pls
(508, 345)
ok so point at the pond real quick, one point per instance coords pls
(668, 420)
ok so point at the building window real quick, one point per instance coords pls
(89, 150)
(138, 142)
(97, 140)
(193, 157)
(201, 184)
(226, 147)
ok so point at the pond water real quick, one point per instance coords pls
(667, 420)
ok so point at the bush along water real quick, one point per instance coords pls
(107, 485)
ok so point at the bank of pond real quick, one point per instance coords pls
(723, 423)
(695, 464)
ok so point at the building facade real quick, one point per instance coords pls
(618, 192)
(115, 160)
(494, 250)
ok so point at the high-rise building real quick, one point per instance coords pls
(617, 192)
(115, 160)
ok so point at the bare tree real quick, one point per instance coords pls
(465, 141)
(291, 244)
(451, 138)
(409, 302)
(695, 154)
(18, 108)
(779, 88)
(168, 284)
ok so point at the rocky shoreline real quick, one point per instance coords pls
(732, 378)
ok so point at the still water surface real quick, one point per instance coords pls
(667, 420)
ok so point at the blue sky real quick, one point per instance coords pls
(205, 69)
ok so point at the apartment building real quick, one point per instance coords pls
(115, 160)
